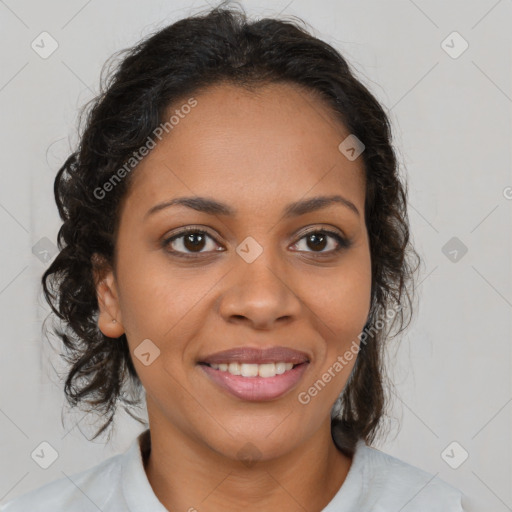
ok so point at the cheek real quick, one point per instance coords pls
(341, 301)
(162, 302)
(341, 308)
(349, 307)
(151, 297)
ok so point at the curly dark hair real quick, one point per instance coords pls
(218, 46)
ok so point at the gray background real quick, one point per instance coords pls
(452, 126)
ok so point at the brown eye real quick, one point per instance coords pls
(194, 241)
(189, 241)
(319, 240)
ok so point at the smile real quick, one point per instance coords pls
(256, 382)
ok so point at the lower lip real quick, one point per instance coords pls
(256, 388)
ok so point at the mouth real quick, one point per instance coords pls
(255, 382)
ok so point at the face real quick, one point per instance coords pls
(248, 274)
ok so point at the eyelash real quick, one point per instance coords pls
(343, 243)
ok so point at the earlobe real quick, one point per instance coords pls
(109, 319)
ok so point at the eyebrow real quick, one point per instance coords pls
(213, 207)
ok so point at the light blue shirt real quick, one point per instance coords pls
(376, 482)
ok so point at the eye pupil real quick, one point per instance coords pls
(316, 236)
(193, 245)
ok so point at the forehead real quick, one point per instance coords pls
(252, 148)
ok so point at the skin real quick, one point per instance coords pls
(256, 151)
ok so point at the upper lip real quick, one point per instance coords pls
(257, 356)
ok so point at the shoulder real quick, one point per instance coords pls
(392, 484)
(86, 491)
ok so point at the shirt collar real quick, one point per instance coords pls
(137, 490)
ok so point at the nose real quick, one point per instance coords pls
(259, 294)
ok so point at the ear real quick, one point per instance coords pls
(110, 321)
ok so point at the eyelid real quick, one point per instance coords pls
(323, 228)
(179, 232)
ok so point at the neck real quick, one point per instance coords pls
(187, 475)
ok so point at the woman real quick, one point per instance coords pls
(235, 251)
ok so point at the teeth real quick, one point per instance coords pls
(253, 370)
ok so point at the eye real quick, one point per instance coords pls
(190, 239)
(319, 239)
